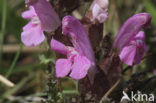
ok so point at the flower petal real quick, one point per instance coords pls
(99, 10)
(32, 35)
(130, 29)
(48, 17)
(140, 35)
(102, 17)
(139, 55)
(71, 54)
(102, 3)
(63, 67)
(127, 55)
(29, 13)
(141, 47)
(79, 37)
(58, 46)
(80, 67)
(95, 11)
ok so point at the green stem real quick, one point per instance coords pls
(69, 92)
(14, 61)
(4, 16)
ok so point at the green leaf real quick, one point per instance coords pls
(45, 60)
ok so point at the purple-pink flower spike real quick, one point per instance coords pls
(133, 53)
(130, 29)
(42, 18)
(80, 58)
(99, 9)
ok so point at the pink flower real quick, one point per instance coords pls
(79, 37)
(130, 40)
(130, 29)
(42, 18)
(99, 9)
(80, 57)
(133, 53)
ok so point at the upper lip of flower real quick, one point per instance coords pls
(130, 29)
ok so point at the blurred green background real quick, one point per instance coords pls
(27, 67)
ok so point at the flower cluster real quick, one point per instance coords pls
(129, 42)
